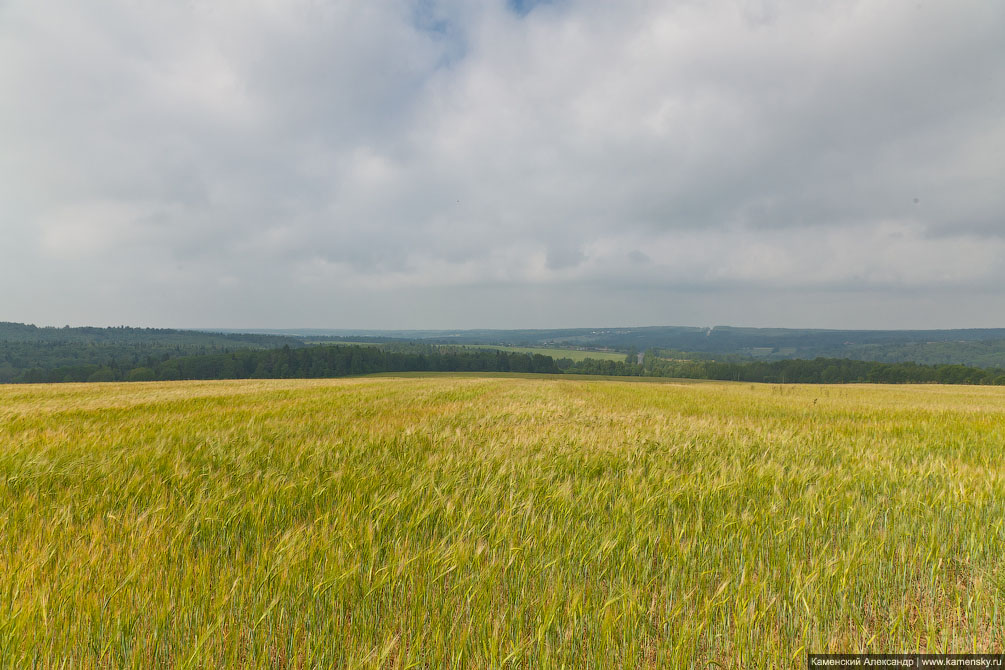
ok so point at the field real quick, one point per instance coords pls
(556, 353)
(496, 522)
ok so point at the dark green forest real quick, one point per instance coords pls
(77, 354)
(29, 354)
(325, 361)
(795, 371)
(305, 362)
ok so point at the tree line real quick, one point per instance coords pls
(79, 353)
(794, 371)
(308, 362)
(324, 361)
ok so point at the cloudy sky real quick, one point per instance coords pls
(455, 163)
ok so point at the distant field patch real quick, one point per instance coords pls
(482, 522)
(557, 353)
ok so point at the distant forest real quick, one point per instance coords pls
(77, 353)
(980, 347)
(32, 355)
(797, 371)
(325, 361)
(313, 362)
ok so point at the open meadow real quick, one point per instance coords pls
(458, 521)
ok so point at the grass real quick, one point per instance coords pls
(471, 522)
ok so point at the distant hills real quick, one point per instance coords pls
(983, 347)
(20, 332)
(29, 352)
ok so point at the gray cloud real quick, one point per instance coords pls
(450, 164)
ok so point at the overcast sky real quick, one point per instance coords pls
(450, 164)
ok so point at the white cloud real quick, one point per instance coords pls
(201, 159)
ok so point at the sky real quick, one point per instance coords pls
(502, 164)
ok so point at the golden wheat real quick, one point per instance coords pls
(496, 522)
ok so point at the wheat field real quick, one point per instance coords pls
(465, 522)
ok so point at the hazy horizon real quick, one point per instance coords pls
(351, 329)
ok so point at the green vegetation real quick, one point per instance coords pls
(985, 354)
(981, 347)
(29, 353)
(817, 371)
(32, 354)
(344, 360)
(575, 355)
(463, 522)
(314, 362)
